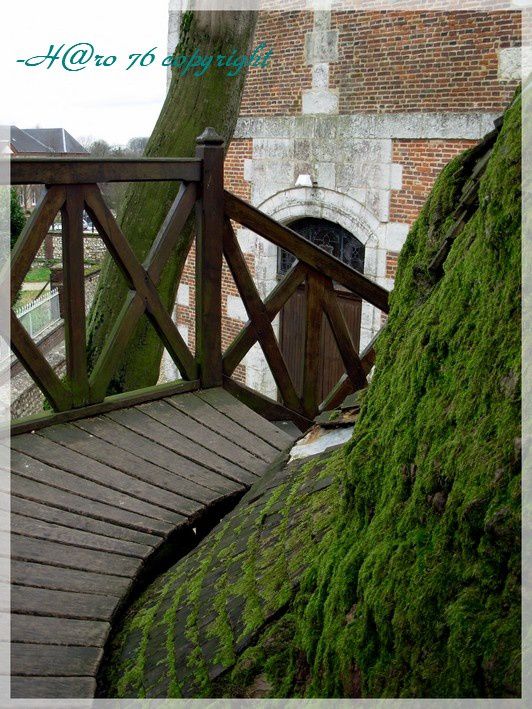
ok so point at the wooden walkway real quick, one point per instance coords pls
(93, 501)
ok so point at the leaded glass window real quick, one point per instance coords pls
(331, 237)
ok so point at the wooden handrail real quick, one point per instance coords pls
(69, 171)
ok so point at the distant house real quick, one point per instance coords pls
(38, 142)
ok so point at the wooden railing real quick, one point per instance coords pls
(72, 187)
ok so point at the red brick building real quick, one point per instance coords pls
(343, 135)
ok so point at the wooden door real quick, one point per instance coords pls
(292, 339)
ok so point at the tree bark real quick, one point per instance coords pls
(192, 103)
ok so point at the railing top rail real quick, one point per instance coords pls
(82, 170)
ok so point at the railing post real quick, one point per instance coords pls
(209, 251)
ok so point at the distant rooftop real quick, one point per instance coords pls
(44, 140)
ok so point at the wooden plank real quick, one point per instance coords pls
(74, 295)
(85, 485)
(344, 386)
(263, 405)
(63, 500)
(110, 403)
(52, 687)
(76, 451)
(245, 417)
(305, 251)
(311, 359)
(140, 281)
(173, 441)
(247, 337)
(53, 660)
(58, 631)
(193, 430)
(170, 231)
(30, 239)
(188, 477)
(39, 529)
(56, 515)
(208, 416)
(259, 318)
(62, 604)
(350, 358)
(72, 557)
(53, 171)
(209, 235)
(55, 578)
(37, 367)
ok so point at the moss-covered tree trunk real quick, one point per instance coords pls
(193, 102)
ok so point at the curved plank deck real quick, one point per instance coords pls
(91, 503)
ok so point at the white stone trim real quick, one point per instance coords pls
(183, 295)
(236, 309)
(391, 126)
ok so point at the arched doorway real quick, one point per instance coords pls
(340, 243)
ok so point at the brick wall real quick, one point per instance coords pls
(238, 151)
(422, 161)
(422, 61)
(276, 89)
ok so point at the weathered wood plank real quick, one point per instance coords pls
(179, 474)
(311, 359)
(29, 488)
(58, 631)
(165, 413)
(247, 337)
(86, 487)
(208, 416)
(55, 578)
(259, 318)
(37, 367)
(350, 358)
(30, 239)
(57, 515)
(110, 403)
(62, 604)
(53, 171)
(209, 236)
(263, 405)
(173, 441)
(71, 556)
(245, 417)
(38, 529)
(69, 449)
(53, 660)
(52, 687)
(305, 251)
(74, 295)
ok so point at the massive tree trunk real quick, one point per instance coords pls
(192, 103)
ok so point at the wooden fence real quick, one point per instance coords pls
(72, 187)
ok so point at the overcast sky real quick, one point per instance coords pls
(101, 102)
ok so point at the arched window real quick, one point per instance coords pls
(329, 236)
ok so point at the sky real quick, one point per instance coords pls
(97, 102)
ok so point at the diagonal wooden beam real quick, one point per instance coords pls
(38, 368)
(259, 318)
(246, 338)
(31, 238)
(353, 365)
(170, 231)
(305, 251)
(139, 281)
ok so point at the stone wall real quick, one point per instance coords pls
(52, 247)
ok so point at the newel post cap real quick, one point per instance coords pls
(209, 137)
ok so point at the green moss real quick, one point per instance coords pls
(392, 567)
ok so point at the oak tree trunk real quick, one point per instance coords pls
(192, 103)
